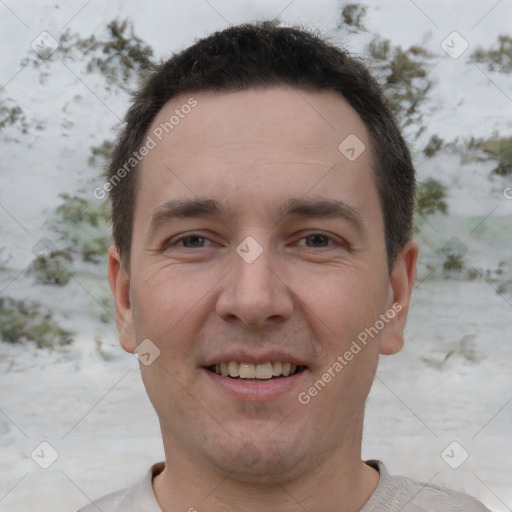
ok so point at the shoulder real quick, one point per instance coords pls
(136, 498)
(107, 503)
(395, 493)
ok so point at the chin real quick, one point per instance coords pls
(263, 461)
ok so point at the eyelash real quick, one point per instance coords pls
(173, 243)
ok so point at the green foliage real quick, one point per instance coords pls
(403, 74)
(464, 349)
(24, 321)
(454, 262)
(100, 154)
(13, 116)
(2, 259)
(107, 314)
(407, 65)
(122, 57)
(500, 150)
(431, 198)
(84, 224)
(504, 287)
(118, 54)
(124, 52)
(471, 274)
(352, 16)
(495, 148)
(51, 270)
(379, 49)
(473, 143)
(499, 59)
(499, 271)
(433, 146)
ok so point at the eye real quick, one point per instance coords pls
(319, 240)
(187, 241)
(192, 241)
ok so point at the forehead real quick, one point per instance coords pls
(248, 115)
(255, 146)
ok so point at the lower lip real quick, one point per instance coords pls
(257, 391)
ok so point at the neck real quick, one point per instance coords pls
(340, 481)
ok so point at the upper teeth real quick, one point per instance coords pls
(255, 371)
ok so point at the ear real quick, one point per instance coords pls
(401, 284)
(119, 281)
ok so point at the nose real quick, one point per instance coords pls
(254, 292)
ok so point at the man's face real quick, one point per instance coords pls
(290, 269)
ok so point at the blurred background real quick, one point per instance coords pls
(75, 422)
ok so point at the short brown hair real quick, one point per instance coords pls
(265, 54)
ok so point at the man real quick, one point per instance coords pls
(262, 203)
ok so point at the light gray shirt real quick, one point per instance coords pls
(393, 494)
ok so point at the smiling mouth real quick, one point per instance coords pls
(255, 372)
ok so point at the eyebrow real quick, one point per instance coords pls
(324, 208)
(294, 207)
(320, 208)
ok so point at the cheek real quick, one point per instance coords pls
(343, 301)
(345, 305)
(169, 301)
